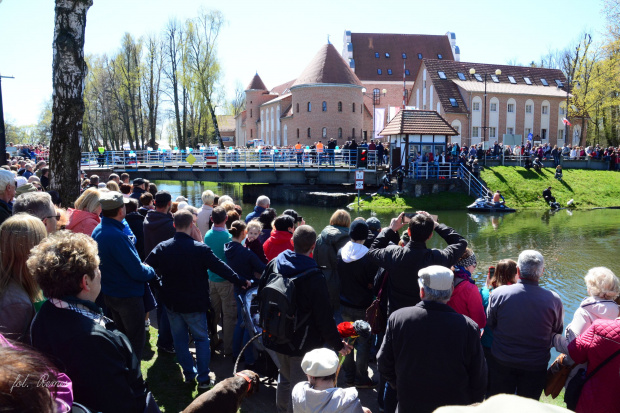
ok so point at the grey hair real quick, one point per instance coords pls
(263, 201)
(38, 204)
(440, 296)
(603, 283)
(207, 197)
(6, 178)
(531, 264)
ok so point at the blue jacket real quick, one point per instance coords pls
(254, 214)
(182, 263)
(243, 261)
(122, 273)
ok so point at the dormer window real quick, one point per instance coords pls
(407, 72)
(512, 80)
(478, 77)
(389, 71)
(379, 71)
(377, 55)
(544, 82)
(420, 56)
(495, 78)
(404, 55)
(387, 55)
(442, 75)
(461, 76)
(559, 83)
(439, 56)
(527, 80)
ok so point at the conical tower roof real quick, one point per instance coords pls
(327, 66)
(256, 84)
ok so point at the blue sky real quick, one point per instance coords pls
(278, 38)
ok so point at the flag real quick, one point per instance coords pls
(566, 122)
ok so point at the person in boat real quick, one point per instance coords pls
(498, 199)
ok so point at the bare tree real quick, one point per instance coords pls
(151, 85)
(69, 71)
(173, 60)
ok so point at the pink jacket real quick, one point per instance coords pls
(595, 345)
(80, 221)
(466, 300)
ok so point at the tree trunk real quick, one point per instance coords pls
(69, 73)
(216, 128)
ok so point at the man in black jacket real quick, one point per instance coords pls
(182, 264)
(431, 334)
(403, 263)
(356, 295)
(311, 299)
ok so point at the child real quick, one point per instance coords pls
(252, 242)
(558, 172)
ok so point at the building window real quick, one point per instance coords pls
(353, 107)
(406, 93)
(309, 133)
(495, 78)
(478, 77)
(511, 107)
(379, 71)
(404, 55)
(339, 106)
(492, 132)
(297, 133)
(389, 71)
(324, 106)
(407, 72)
(420, 56)
(461, 76)
(457, 128)
(493, 107)
(251, 133)
(340, 132)
(560, 134)
(309, 107)
(476, 106)
(528, 108)
(543, 133)
(528, 131)
(512, 80)
(454, 103)
(387, 55)
(545, 110)
(376, 96)
(559, 83)
(353, 133)
(561, 110)
(324, 134)
(250, 112)
(544, 82)
(474, 132)
(527, 80)
(297, 108)
(442, 75)
(377, 55)
(439, 56)
(510, 131)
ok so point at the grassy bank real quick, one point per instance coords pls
(523, 189)
(442, 201)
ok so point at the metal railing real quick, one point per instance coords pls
(235, 159)
(473, 184)
(433, 170)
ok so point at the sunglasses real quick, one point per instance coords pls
(52, 216)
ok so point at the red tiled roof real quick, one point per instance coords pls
(418, 122)
(448, 88)
(327, 66)
(365, 45)
(256, 84)
(283, 88)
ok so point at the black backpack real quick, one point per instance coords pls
(278, 316)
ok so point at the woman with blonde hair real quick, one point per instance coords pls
(113, 186)
(332, 238)
(84, 216)
(18, 289)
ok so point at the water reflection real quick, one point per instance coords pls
(571, 242)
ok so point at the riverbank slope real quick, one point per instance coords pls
(521, 188)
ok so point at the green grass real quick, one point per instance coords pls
(523, 189)
(442, 201)
(165, 379)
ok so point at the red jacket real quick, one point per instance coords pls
(278, 242)
(80, 221)
(466, 300)
(595, 345)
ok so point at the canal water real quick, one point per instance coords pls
(571, 242)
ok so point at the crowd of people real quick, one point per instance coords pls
(78, 289)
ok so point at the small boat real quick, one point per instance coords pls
(486, 205)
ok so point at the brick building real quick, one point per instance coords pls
(386, 64)
(324, 102)
(520, 101)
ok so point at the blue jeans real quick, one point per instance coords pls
(197, 325)
(241, 337)
(164, 335)
(356, 370)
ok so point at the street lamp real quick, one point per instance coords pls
(472, 72)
